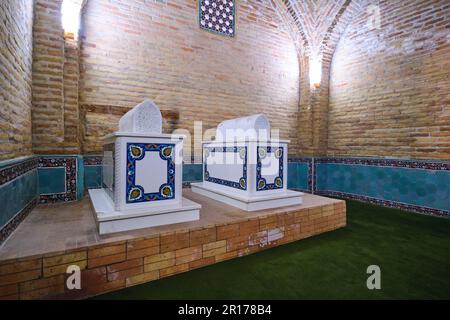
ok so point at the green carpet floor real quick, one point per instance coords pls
(412, 250)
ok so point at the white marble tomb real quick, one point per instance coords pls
(142, 176)
(245, 168)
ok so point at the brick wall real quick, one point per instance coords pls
(71, 93)
(16, 22)
(55, 83)
(385, 93)
(48, 90)
(318, 26)
(132, 50)
(389, 87)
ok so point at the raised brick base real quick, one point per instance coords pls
(116, 265)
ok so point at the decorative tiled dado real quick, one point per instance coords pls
(93, 171)
(396, 163)
(13, 171)
(243, 154)
(52, 180)
(69, 167)
(300, 174)
(18, 193)
(23, 182)
(93, 177)
(420, 186)
(92, 160)
(135, 153)
(261, 183)
(217, 16)
(12, 224)
(387, 203)
(192, 172)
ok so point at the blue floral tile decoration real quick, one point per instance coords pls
(136, 152)
(261, 183)
(242, 152)
(70, 166)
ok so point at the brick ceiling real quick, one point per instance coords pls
(315, 19)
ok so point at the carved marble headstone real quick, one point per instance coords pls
(245, 128)
(144, 118)
(142, 175)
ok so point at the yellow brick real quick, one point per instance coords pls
(62, 269)
(159, 257)
(214, 245)
(159, 265)
(65, 258)
(214, 252)
(142, 278)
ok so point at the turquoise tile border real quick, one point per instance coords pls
(414, 183)
(93, 174)
(13, 223)
(80, 177)
(420, 187)
(11, 162)
(192, 172)
(50, 187)
(17, 194)
(52, 180)
(298, 176)
(93, 177)
(293, 176)
(303, 172)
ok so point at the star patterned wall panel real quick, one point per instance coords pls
(218, 16)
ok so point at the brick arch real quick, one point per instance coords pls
(310, 27)
(293, 25)
(349, 10)
(316, 37)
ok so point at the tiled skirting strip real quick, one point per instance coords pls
(92, 171)
(70, 166)
(9, 228)
(432, 165)
(397, 163)
(92, 160)
(386, 203)
(92, 163)
(16, 170)
(7, 174)
(309, 162)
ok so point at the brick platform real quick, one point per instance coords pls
(127, 259)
